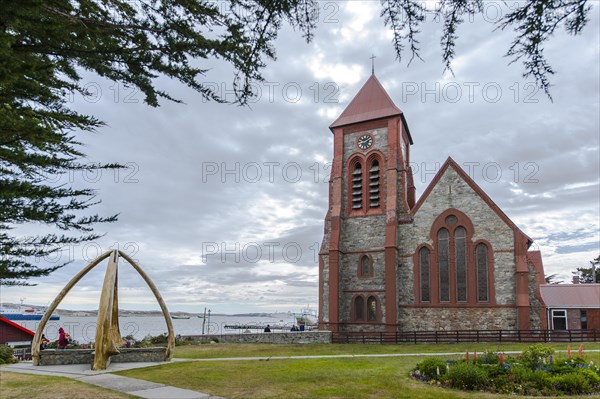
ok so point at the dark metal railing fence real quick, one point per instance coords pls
(457, 336)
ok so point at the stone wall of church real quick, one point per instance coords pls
(363, 233)
(404, 280)
(431, 319)
(538, 310)
(379, 143)
(370, 327)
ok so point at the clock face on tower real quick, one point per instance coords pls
(364, 141)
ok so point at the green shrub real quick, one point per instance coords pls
(540, 379)
(488, 357)
(536, 356)
(520, 374)
(528, 374)
(592, 377)
(572, 383)
(432, 367)
(6, 355)
(159, 339)
(467, 376)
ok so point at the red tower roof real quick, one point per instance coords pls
(371, 102)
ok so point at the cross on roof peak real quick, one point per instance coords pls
(372, 64)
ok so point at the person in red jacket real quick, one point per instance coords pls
(62, 339)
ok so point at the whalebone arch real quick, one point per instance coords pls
(108, 337)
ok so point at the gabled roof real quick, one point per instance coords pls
(371, 102)
(571, 295)
(15, 325)
(451, 163)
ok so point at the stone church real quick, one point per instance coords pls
(451, 260)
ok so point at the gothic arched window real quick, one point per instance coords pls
(359, 308)
(481, 254)
(444, 264)
(365, 266)
(454, 269)
(372, 309)
(460, 263)
(424, 271)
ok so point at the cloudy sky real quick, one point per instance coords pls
(223, 206)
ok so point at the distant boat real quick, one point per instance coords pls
(24, 313)
(307, 316)
(179, 317)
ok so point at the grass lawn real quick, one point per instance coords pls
(29, 386)
(372, 378)
(253, 350)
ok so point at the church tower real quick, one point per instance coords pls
(370, 195)
(450, 261)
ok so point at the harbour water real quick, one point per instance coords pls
(83, 329)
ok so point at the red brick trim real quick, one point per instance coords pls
(360, 291)
(321, 288)
(364, 126)
(363, 251)
(522, 281)
(462, 220)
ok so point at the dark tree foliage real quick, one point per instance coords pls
(552, 279)
(44, 47)
(533, 21)
(586, 274)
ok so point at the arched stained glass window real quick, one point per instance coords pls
(424, 276)
(460, 253)
(359, 308)
(481, 253)
(444, 264)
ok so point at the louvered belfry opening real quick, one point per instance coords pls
(357, 186)
(374, 185)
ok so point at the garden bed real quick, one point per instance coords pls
(534, 372)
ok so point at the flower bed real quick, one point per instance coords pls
(534, 372)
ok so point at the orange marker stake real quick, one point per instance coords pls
(569, 351)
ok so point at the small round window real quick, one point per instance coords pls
(451, 220)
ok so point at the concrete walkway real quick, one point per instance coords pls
(131, 386)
